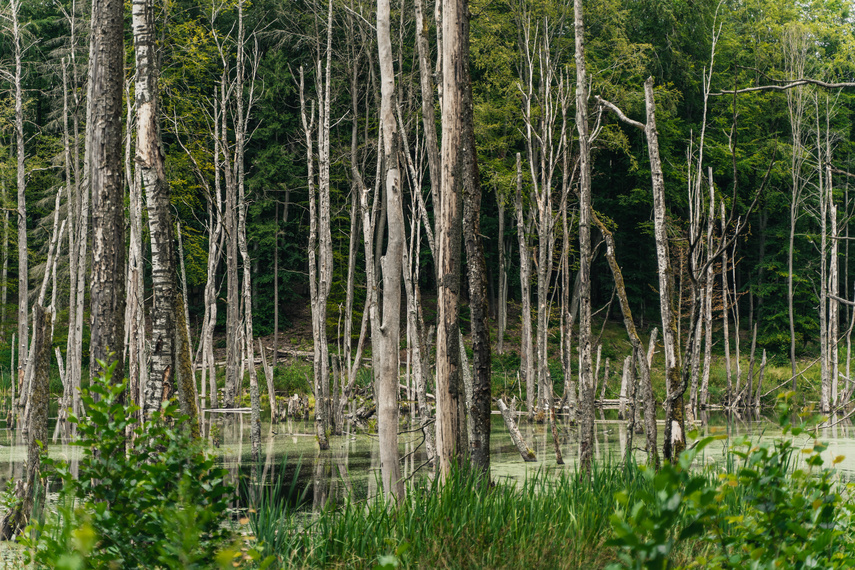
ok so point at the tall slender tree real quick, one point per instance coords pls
(104, 149)
(170, 356)
(392, 266)
(451, 431)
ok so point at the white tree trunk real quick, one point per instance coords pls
(392, 268)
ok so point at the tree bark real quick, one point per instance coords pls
(479, 407)
(135, 313)
(526, 452)
(392, 268)
(526, 344)
(233, 380)
(23, 285)
(104, 146)
(450, 431)
(586, 381)
(17, 517)
(638, 348)
(170, 353)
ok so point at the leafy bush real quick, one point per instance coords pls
(293, 378)
(771, 509)
(154, 499)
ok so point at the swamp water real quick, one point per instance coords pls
(351, 467)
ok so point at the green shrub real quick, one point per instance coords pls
(293, 379)
(153, 500)
(768, 510)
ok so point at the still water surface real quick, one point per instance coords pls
(351, 466)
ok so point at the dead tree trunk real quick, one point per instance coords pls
(586, 380)
(170, 355)
(392, 267)
(526, 344)
(17, 517)
(479, 409)
(637, 346)
(450, 427)
(526, 452)
(104, 146)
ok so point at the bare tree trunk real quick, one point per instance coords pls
(215, 243)
(479, 407)
(833, 291)
(503, 278)
(268, 377)
(135, 313)
(23, 286)
(392, 267)
(725, 303)
(17, 517)
(526, 345)
(450, 432)
(526, 452)
(233, 325)
(319, 359)
(428, 117)
(29, 376)
(242, 117)
(638, 348)
(795, 47)
(104, 146)
(586, 381)
(170, 354)
(4, 254)
(750, 378)
(824, 343)
(708, 297)
(760, 381)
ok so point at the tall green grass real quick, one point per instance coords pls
(549, 521)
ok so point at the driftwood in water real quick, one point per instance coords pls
(526, 452)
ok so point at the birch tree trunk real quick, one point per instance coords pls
(104, 147)
(170, 345)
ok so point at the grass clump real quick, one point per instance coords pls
(549, 521)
